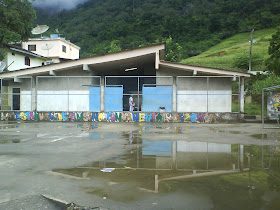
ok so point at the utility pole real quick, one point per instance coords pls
(250, 51)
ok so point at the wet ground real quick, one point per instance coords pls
(140, 166)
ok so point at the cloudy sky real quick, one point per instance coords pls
(58, 4)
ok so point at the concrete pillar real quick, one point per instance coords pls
(33, 94)
(102, 95)
(157, 60)
(241, 95)
(174, 102)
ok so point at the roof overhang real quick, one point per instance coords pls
(25, 52)
(204, 70)
(129, 54)
(108, 60)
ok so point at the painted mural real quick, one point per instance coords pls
(115, 117)
(273, 106)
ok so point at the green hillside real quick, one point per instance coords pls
(233, 53)
(102, 26)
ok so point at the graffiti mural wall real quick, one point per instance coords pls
(273, 106)
(115, 117)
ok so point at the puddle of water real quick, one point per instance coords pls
(222, 176)
(260, 136)
(9, 139)
(87, 126)
(8, 126)
(170, 174)
(234, 132)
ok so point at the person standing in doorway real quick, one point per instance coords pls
(131, 104)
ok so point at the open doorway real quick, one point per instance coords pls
(132, 87)
(16, 98)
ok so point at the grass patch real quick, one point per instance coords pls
(253, 109)
(229, 53)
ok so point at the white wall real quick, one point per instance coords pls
(192, 92)
(183, 146)
(17, 61)
(79, 100)
(60, 100)
(52, 92)
(25, 100)
(53, 48)
(192, 95)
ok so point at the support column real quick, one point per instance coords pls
(157, 60)
(102, 90)
(174, 102)
(34, 93)
(241, 95)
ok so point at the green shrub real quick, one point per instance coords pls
(271, 80)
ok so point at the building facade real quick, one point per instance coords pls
(17, 58)
(53, 47)
(104, 84)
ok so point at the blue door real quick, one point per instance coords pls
(113, 99)
(94, 99)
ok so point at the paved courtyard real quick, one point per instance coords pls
(32, 156)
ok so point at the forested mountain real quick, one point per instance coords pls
(191, 26)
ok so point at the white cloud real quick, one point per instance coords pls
(58, 4)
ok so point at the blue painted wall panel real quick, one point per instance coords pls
(94, 99)
(113, 99)
(156, 97)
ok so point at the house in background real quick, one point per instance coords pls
(18, 58)
(39, 52)
(54, 47)
(33, 53)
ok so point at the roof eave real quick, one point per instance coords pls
(202, 69)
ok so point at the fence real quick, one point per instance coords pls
(121, 93)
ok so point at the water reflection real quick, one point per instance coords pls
(219, 175)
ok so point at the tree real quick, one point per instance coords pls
(262, 81)
(16, 21)
(114, 46)
(173, 50)
(273, 62)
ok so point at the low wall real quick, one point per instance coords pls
(121, 117)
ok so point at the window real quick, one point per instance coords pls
(27, 61)
(32, 47)
(63, 48)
